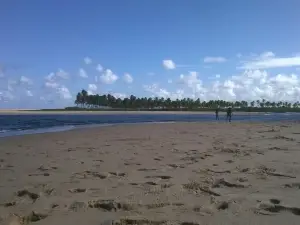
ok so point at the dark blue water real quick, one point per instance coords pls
(25, 124)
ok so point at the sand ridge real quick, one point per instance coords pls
(181, 173)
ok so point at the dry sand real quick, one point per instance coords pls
(181, 173)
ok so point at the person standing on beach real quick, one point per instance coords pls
(229, 113)
(217, 113)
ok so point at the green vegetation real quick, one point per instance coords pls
(84, 101)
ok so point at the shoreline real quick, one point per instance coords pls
(34, 112)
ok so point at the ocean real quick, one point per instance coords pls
(11, 125)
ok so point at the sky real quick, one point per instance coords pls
(213, 49)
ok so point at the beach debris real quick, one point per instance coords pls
(196, 186)
(33, 217)
(111, 205)
(31, 195)
(139, 221)
(147, 169)
(284, 138)
(118, 174)
(157, 205)
(77, 190)
(275, 201)
(9, 204)
(189, 223)
(151, 183)
(107, 205)
(76, 206)
(163, 177)
(176, 165)
(293, 185)
(222, 205)
(87, 173)
(39, 174)
(223, 182)
(265, 208)
(220, 171)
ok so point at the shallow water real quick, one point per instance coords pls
(11, 125)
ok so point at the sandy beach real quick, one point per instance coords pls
(176, 173)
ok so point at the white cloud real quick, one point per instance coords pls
(163, 93)
(170, 81)
(119, 95)
(10, 88)
(266, 55)
(51, 85)
(99, 68)
(268, 60)
(193, 82)
(50, 76)
(217, 59)
(60, 74)
(108, 77)
(169, 64)
(29, 93)
(82, 73)
(64, 92)
(92, 88)
(87, 60)
(128, 78)
(248, 85)
(25, 80)
(6, 96)
(239, 55)
(218, 75)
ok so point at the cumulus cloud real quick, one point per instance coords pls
(62, 74)
(163, 93)
(99, 68)
(59, 75)
(248, 85)
(29, 93)
(217, 59)
(108, 77)
(25, 80)
(169, 64)
(268, 60)
(128, 78)
(87, 60)
(51, 85)
(119, 95)
(64, 92)
(92, 88)
(6, 96)
(82, 73)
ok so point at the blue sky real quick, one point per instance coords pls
(49, 50)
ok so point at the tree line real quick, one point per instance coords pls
(85, 101)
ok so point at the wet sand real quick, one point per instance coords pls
(181, 173)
